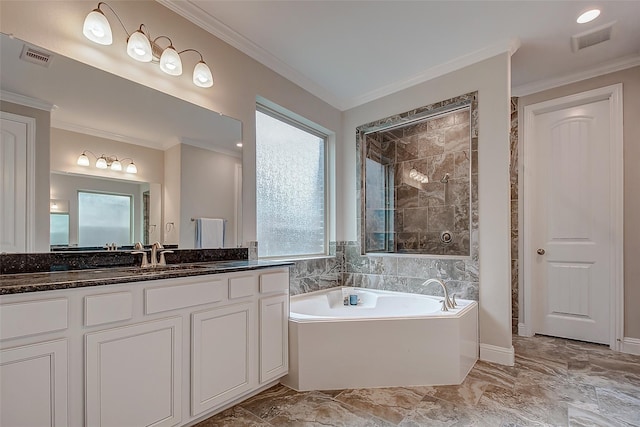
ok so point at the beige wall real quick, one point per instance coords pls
(56, 26)
(630, 80)
(491, 78)
(206, 178)
(41, 208)
(171, 198)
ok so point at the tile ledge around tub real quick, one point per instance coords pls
(290, 259)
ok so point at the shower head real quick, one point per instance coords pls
(445, 178)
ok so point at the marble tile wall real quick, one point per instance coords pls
(347, 267)
(405, 215)
(407, 273)
(513, 170)
(319, 273)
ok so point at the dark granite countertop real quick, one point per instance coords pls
(48, 281)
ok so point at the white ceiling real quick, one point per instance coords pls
(351, 52)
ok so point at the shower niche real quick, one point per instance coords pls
(418, 174)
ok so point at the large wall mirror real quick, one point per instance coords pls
(416, 181)
(188, 161)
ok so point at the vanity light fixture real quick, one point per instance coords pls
(142, 48)
(104, 162)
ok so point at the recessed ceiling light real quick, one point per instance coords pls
(588, 16)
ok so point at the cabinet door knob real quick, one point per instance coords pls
(540, 251)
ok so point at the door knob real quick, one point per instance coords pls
(540, 251)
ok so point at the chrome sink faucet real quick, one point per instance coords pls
(154, 253)
(447, 303)
(153, 262)
(139, 249)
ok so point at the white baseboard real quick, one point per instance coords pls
(631, 345)
(523, 331)
(495, 354)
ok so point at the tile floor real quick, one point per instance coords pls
(554, 382)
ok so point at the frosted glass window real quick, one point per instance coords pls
(59, 229)
(290, 186)
(104, 218)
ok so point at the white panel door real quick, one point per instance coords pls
(13, 183)
(133, 375)
(571, 223)
(222, 355)
(33, 385)
(274, 326)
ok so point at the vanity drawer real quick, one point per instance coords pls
(33, 317)
(274, 281)
(107, 308)
(185, 295)
(244, 286)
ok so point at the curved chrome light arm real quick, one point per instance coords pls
(117, 17)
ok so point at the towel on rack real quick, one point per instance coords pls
(209, 233)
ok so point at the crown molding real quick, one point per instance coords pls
(506, 46)
(27, 101)
(209, 23)
(212, 25)
(73, 127)
(206, 146)
(598, 70)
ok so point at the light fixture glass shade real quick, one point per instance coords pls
(202, 75)
(588, 16)
(101, 163)
(170, 62)
(96, 28)
(83, 160)
(116, 165)
(132, 168)
(139, 47)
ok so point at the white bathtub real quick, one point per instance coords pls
(390, 339)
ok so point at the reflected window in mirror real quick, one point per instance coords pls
(104, 218)
(416, 181)
(291, 186)
(59, 222)
(59, 228)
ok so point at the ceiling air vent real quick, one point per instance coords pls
(591, 37)
(36, 56)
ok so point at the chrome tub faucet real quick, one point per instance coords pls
(447, 303)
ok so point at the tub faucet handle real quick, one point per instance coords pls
(444, 306)
(453, 301)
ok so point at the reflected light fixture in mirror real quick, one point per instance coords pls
(104, 162)
(142, 48)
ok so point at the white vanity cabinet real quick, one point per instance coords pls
(133, 375)
(222, 356)
(152, 353)
(34, 363)
(33, 381)
(274, 317)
